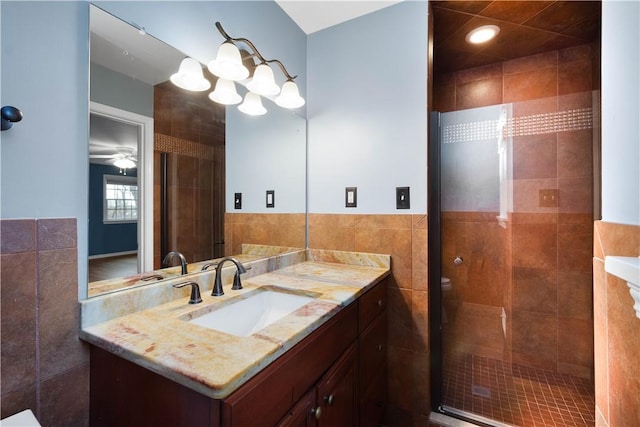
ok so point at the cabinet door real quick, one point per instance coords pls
(303, 413)
(372, 401)
(337, 393)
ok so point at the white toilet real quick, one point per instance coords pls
(445, 285)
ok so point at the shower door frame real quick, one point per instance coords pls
(434, 257)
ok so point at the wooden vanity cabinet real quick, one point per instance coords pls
(124, 394)
(354, 391)
(303, 414)
(333, 402)
(270, 395)
(334, 377)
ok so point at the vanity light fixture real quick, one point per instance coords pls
(289, 96)
(482, 34)
(252, 105)
(228, 63)
(189, 76)
(263, 82)
(225, 93)
(228, 66)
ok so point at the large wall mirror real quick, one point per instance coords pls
(165, 164)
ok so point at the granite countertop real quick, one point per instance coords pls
(214, 363)
(250, 253)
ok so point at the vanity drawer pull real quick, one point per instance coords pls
(317, 412)
(329, 399)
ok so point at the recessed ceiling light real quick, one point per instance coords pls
(482, 34)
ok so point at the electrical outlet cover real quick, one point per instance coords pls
(548, 198)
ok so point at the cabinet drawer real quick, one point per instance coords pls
(372, 303)
(373, 350)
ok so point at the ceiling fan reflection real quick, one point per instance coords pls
(124, 158)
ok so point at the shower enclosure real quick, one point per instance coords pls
(511, 208)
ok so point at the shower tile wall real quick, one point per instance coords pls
(404, 237)
(545, 271)
(44, 366)
(191, 129)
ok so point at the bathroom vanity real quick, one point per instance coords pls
(324, 364)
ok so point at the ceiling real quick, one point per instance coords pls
(316, 15)
(526, 28)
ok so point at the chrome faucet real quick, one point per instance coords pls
(237, 284)
(170, 255)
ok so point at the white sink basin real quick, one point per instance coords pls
(253, 313)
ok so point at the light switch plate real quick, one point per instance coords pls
(351, 197)
(237, 200)
(402, 198)
(271, 198)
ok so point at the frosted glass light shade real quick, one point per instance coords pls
(225, 93)
(252, 105)
(190, 77)
(290, 96)
(124, 163)
(262, 82)
(228, 63)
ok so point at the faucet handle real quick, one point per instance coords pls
(209, 265)
(237, 284)
(195, 291)
(151, 277)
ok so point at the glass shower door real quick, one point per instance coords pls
(515, 233)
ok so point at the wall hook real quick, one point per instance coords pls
(10, 115)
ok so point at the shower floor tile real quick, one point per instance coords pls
(517, 395)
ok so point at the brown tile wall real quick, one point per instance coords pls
(264, 229)
(479, 283)
(44, 366)
(616, 337)
(550, 74)
(404, 237)
(547, 275)
(191, 128)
